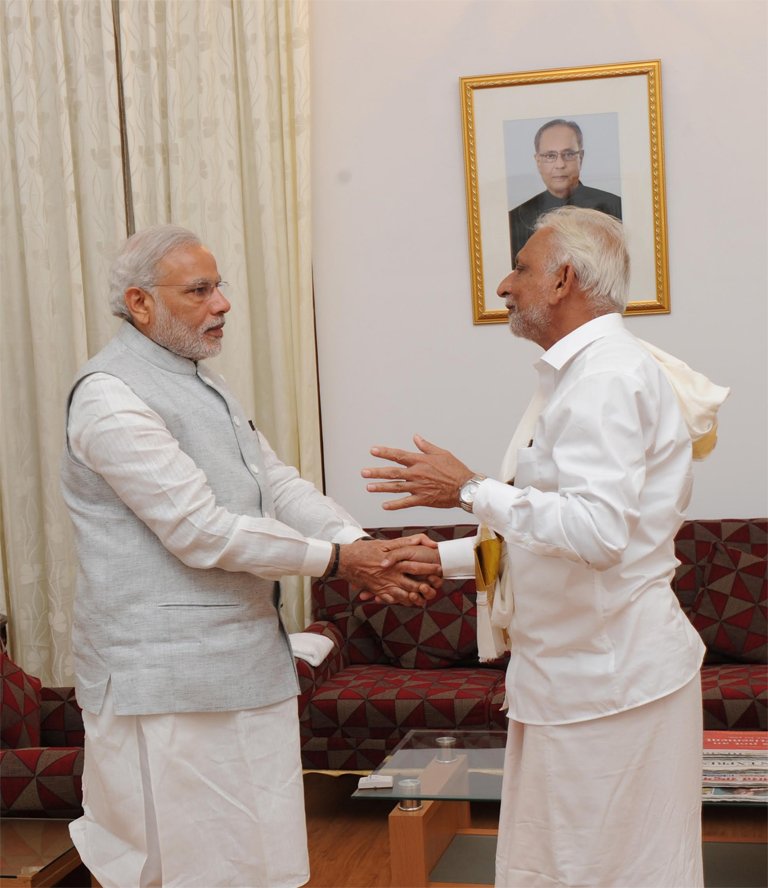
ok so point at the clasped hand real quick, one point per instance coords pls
(405, 570)
(401, 571)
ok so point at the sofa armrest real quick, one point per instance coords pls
(41, 782)
(61, 719)
(311, 677)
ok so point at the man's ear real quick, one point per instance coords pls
(141, 306)
(565, 281)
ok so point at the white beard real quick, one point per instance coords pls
(180, 339)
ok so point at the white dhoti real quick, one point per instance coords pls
(613, 802)
(194, 799)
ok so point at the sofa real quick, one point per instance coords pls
(392, 669)
(41, 747)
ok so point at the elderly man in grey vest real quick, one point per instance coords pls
(184, 519)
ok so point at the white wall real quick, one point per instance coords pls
(398, 352)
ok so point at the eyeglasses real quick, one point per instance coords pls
(201, 290)
(567, 156)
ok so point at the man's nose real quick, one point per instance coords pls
(219, 303)
(505, 287)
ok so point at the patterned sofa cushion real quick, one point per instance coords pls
(442, 634)
(734, 697)
(729, 611)
(61, 719)
(338, 753)
(41, 782)
(41, 775)
(20, 722)
(694, 542)
(333, 602)
(381, 702)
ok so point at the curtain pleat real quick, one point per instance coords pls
(215, 129)
(60, 216)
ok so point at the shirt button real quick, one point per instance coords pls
(254, 468)
(236, 421)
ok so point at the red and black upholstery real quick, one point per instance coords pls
(41, 759)
(722, 584)
(393, 669)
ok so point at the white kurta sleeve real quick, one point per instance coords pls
(115, 434)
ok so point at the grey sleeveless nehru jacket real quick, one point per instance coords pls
(168, 637)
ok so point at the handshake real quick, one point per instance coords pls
(406, 570)
(400, 571)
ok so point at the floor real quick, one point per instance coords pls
(348, 839)
(349, 847)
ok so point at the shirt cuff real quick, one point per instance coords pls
(349, 533)
(457, 558)
(493, 500)
(317, 559)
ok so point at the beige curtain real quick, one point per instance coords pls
(61, 211)
(213, 133)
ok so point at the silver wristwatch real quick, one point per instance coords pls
(468, 491)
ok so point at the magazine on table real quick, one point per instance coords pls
(748, 795)
(735, 767)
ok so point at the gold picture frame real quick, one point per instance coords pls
(617, 108)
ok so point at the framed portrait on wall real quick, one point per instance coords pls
(588, 137)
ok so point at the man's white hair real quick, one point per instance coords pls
(136, 263)
(593, 244)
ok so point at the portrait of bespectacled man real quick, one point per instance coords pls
(560, 153)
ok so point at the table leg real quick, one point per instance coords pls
(417, 839)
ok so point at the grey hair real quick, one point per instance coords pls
(136, 263)
(571, 124)
(593, 243)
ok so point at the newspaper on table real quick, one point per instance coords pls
(735, 767)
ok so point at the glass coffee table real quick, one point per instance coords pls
(435, 775)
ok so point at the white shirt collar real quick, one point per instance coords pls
(564, 349)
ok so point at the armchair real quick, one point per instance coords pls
(41, 747)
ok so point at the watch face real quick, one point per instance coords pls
(468, 492)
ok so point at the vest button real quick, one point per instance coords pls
(236, 421)
(254, 468)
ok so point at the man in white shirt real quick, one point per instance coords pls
(602, 780)
(184, 519)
